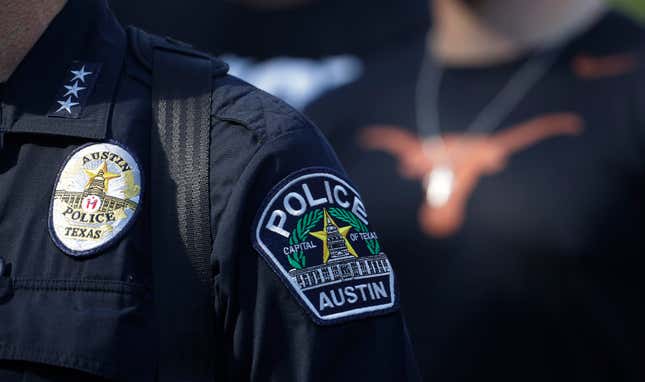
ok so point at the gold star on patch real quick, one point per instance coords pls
(330, 235)
(101, 172)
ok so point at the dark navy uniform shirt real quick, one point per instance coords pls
(532, 271)
(75, 119)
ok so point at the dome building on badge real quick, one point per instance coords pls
(340, 261)
(97, 185)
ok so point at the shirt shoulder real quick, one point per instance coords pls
(233, 100)
(238, 102)
(249, 127)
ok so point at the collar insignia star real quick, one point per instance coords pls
(66, 105)
(78, 85)
(73, 90)
(80, 74)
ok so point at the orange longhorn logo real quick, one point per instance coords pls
(471, 156)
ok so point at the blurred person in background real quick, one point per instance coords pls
(293, 49)
(502, 155)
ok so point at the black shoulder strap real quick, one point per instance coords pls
(180, 213)
(182, 88)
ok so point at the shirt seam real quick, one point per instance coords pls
(86, 285)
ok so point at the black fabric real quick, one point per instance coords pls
(29, 372)
(180, 213)
(540, 279)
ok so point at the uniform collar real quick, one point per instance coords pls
(84, 31)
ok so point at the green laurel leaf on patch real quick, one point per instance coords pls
(350, 218)
(300, 234)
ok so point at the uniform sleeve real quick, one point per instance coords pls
(283, 313)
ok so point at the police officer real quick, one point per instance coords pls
(103, 149)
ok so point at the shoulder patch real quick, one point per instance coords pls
(313, 231)
(96, 197)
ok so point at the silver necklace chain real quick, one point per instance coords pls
(495, 111)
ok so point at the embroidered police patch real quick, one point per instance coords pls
(96, 197)
(314, 232)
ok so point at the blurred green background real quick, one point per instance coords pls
(637, 7)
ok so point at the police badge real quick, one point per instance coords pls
(313, 231)
(96, 197)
